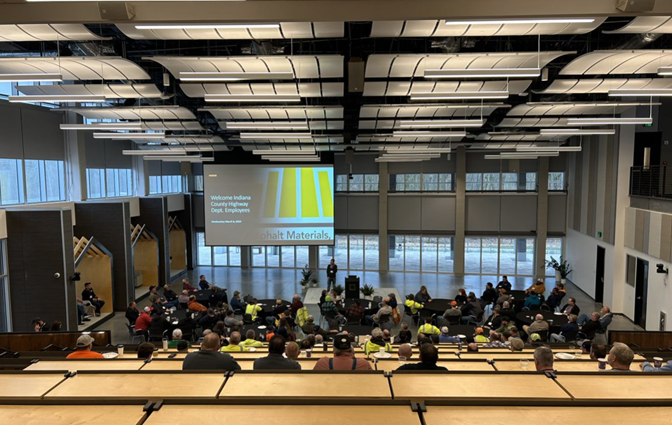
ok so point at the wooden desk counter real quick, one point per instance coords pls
(102, 365)
(560, 366)
(94, 386)
(612, 386)
(71, 415)
(389, 365)
(458, 415)
(475, 386)
(18, 385)
(494, 356)
(312, 386)
(169, 364)
(306, 415)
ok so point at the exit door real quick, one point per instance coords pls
(641, 289)
(599, 275)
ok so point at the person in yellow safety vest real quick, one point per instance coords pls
(234, 344)
(410, 303)
(252, 309)
(428, 328)
(376, 343)
(479, 337)
(250, 340)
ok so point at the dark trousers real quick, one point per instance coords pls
(98, 305)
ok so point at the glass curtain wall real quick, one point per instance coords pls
(498, 256)
(429, 254)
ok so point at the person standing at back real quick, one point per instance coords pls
(332, 269)
(344, 357)
(209, 357)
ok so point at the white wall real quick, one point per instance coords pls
(659, 293)
(3, 225)
(581, 252)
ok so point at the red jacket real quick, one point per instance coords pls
(143, 322)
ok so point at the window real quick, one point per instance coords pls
(490, 182)
(474, 182)
(509, 181)
(556, 181)
(165, 184)
(430, 182)
(429, 254)
(11, 181)
(351, 252)
(553, 249)
(45, 180)
(216, 255)
(109, 183)
(198, 183)
(358, 183)
(442, 182)
(531, 181)
(496, 256)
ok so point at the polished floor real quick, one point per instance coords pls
(284, 283)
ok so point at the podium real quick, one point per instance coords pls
(352, 287)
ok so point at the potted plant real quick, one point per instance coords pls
(338, 290)
(314, 281)
(367, 291)
(553, 264)
(306, 274)
(565, 269)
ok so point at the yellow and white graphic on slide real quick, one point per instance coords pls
(305, 192)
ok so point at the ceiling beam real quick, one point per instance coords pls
(20, 12)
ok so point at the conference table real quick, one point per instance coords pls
(370, 308)
(555, 320)
(518, 299)
(68, 415)
(437, 306)
(268, 305)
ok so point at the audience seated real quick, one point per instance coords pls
(446, 337)
(472, 311)
(495, 319)
(620, 357)
(154, 298)
(504, 284)
(532, 301)
(452, 311)
(158, 326)
(568, 331)
(177, 337)
(83, 351)
(598, 351)
(209, 357)
(428, 329)
(495, 341)
(382, 318)
(543, 359)
(479, 336)
(183, 299)
(143, 322)
(170, 297)
(507, 310)
(648, 367)
(539, 325)
(593, 326)
(230, 321)
(355, 313)
(413, 305)
(404, 335)
(423, 296)
(183, 346)
(429, 356)
(344, 357)
(537, 287)
(292, 350)
(193, 305)
(516, 344)
(209, 320)
(39, 325)
(570, 307)
(234, 344)
(405, 351)
(275, 313)
(503, 297)
(88, 295)
(237, 303)
(186, 286)
(132, 313)
(553, 299)
(252, 309)
(490, 295)
(145, 350)
(56, 326)
(275, 359)
(250, 340)
(376, 343)
(461, 296)
(296, 304)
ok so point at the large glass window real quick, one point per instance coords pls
(428, 254)
(198, 183)
(11, 181)
(497, 256)
(556, 181)
(356, 252)
(45, 180)
(446, 251)
(531, 181)
(204, 252)
(371, 252)
(442, 182)
(553, 249)
(358, 183)
(165, 184)
(509, 181)
(490, 182)
(288, 257)
(494, 182)
(216, 255)
(351, 252)
(110, 182)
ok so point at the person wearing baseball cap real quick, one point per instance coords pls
(344, 357)
(84, 345)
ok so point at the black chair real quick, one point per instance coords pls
(134, 335)
(247, 319)
(543, 335)
(408, 313)
(182, 306)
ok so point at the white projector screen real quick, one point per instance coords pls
(268, 205)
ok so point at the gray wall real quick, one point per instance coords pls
(107, 153)
(30, 132)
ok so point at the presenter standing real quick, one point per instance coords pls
(332, 269)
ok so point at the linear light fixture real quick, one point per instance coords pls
(61, 98)
(104, 126)
(608, 121)
(252, 98)
(95, 1)
(441, 123)
(264, 136)
(260, 125)
(290, 158)
(549, 149)
(576, 132)
(37, 77)
(409, 155)
(234, 76)
(154, 152)
(483, 73)
(531, 156)
(418, 150)
(185, 158)
(460, 95)
(205, 26)
(515, 155)
(531, 21)
(665, 70)
(130, 136)
(412, 159)
(640, 92)
(459, 134)
(283, 152)
(199, 149)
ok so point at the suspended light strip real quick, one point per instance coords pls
(641, 93)
(252, 98)
(264, 136)
(460, 95)
(483, 73)
(290, 158)
(608, 121)
(104, 126)
(204, 26)
(515, 155)
(504, 157)
(284, 152)
(254, 125)
(417, 150)
(154, 152)
(234, 76)
(37, 77)
(95, 1)
(61, 98)
(130, 136)
(576, 132)
(549, 149)
(186, 158)
(665, 70)
(415, 159)
(409, 155)
(531, 21)
(429, 134)
(441, 123)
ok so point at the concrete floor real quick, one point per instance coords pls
(267, 283)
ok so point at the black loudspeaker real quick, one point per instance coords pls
(116, 11)
(635, 5)
(356, 68)
(352, 287)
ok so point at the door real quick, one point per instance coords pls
(641, 287)
(599, 275)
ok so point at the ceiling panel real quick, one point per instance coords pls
(407, 88)
(532, 122)
(287, 30)
(606, 62)
(527, 137)
(312, 124)
(413, 65)
(603, 85)
(110, 91)
(301, 89)
(646, 24)
(137, 113)
(277, 113)
(438, 28)
(47, 32)
(570, 109)
(304, 66)
(428, 111)
(76, 68)
(173, 125)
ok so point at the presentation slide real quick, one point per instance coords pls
(268, 205)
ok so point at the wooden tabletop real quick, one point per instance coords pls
(155, 365)
(71, 365)
(94, 386)
(388, 365)
(458, 415)
(27, 385)
(612, 386)
(560, 366)
(309, 415)
(314, 386)
(69, 415)
(487, 386)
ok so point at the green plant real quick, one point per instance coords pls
(306, 274)
(338, 289)
(562, 266)
(366, 290)
(552, 264)
(314, 281)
